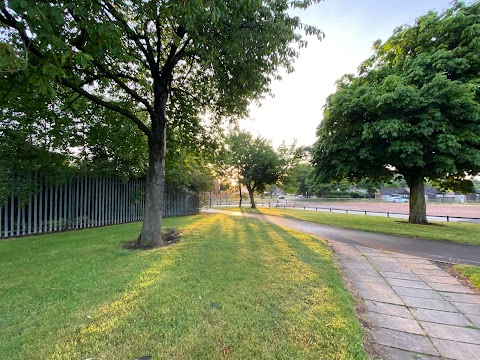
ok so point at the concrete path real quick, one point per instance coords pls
(416, 309)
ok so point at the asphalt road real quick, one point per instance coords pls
(433, 250)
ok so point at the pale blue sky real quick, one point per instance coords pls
(350, 26)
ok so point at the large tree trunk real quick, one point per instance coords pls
(240, 193)
(150, 235)
(418, 207)
(252, 198)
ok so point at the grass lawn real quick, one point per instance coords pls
(445, 231)
(232, 287)
(471, 272)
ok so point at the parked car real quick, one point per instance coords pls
(397, 199)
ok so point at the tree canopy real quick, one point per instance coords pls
(159, 64)
(413, 109)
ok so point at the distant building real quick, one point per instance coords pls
(431, 194)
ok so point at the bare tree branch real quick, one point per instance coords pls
(124, 86)
(107, 104)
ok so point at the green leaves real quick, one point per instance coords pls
(414, 109)
(83, 59)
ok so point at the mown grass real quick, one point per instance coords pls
(471, 272)
(232, 287)
(445, 231)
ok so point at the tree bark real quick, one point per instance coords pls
(240, 193)
(151, 235)
(252, 199)
(418, 207)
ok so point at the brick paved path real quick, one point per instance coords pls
(418, 310)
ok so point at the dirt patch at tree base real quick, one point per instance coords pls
(170, 236)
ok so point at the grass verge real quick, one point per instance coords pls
(471, 272)
(231, 287)
(453, 232)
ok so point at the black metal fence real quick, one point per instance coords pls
(82, 202)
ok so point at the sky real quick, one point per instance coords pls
(350, 27)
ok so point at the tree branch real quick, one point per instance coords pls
(9, 20)
(108, 105)
(135, 37)
(190, 95)
(171, 58)
(124, 86)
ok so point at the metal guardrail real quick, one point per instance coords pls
(447, 218)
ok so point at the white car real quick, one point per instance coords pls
(397, 199)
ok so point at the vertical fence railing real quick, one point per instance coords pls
(82, 202)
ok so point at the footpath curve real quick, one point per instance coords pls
(415, 309)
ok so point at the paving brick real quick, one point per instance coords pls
(414, 302)
(373, 279)
(409, 284)
(403, 276)
(470, 309)
(457, 350)
(384, 266)
(368, 249)
(397, 354)
(439, 279)
(428, 266)
(351, 258)
(395, 323)
(388, 309)
(419, 293)
(464, 298)
(391, 268)
(475, 319)
(354, 272)
(435, 272)
(404, 341)
(360, 271)
(441, 317)
(358, 265)
(385, 297)
(452, 288)
(453, 333)
(414, 261)
(371, 286)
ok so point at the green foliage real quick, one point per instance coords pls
(164, 65)
(413, 109)
(471, 272)
(254, 163)
(222, 53)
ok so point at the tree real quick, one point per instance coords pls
(158, 64)
(412, 110)
(254, 163)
